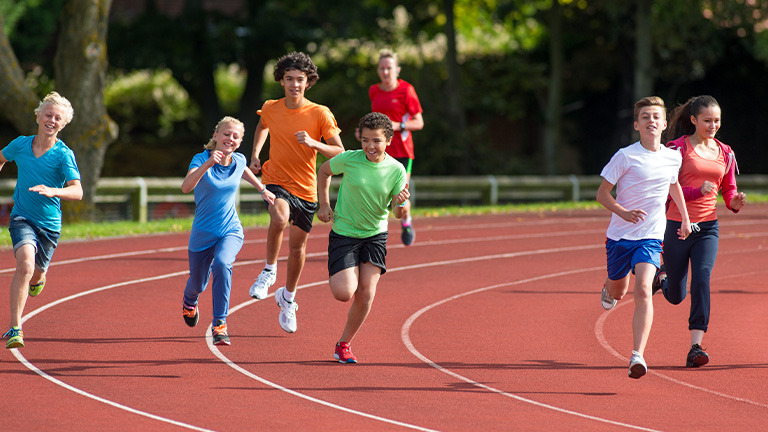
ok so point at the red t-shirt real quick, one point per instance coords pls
(399, 105)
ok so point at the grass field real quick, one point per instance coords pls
(84, 231)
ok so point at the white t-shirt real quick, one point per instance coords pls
(642, 178)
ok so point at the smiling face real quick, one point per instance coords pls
(51, 119)
(294, 83)
(707, 122)
(374, 143)
(651, 121)
(228, 137)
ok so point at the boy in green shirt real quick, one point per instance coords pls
(357, 244)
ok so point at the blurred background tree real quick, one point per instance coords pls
(507, 86)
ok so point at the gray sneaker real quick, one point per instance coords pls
(606, 300)
(287, 311)
(265, 280)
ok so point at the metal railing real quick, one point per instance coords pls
(140, 192)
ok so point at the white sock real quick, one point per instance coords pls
(271, 267)
(289, 296)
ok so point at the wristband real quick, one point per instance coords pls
(264, 190)
(402, 126)
(401, 205)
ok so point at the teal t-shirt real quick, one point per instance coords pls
(54, 169)
(366, 192)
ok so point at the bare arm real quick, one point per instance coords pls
(72, 191)
(400, 203)
(251, 178)
(415, 123)
(329, 149)
(195, 174)
(605, 198)
(324, 174)
(259, 138)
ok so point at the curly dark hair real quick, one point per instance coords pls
(375, 121)
(297, 61)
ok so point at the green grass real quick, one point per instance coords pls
(85, 231)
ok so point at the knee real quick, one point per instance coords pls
(219, 266)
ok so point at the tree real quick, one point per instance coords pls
(80, 66)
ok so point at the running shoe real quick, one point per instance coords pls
(15, 338)
(36, 289)
(637, 366)
(287, 311)
(265, 280)
(191, 316)
(408, 235)
(658, 280)
(220, 335)
(696, 357)
(343, 354)
(606, 300)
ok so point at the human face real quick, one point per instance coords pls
(651, 122)
(294, 83)
(374, 144)
(707, 122)
(228, 137)
(388, 71)
(51, 119)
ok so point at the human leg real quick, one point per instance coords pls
(279, 217)
(25, 268)
(199, 273)
(224, 255)
(297, 249)
(676, 257)
(643, 316)
(703, 255)
(362, 300)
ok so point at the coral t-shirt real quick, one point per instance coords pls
(694, 171)
(292, 165)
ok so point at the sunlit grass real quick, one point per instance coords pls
(85, 231)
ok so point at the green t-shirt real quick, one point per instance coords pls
(366, 191)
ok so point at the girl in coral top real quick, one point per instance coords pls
(708, 166)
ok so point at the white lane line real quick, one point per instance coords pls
(600, 336)
(406, 338)
(43, 374)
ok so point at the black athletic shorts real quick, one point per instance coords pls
(345, 252)
(302, 213)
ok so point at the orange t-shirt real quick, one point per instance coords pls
(694, 171)
(292, 165)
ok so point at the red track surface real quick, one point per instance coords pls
(486, 323)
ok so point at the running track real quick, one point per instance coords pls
(486, 323)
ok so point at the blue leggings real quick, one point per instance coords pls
(700, 248)
(215, 261)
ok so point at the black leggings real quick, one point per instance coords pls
(700, 248)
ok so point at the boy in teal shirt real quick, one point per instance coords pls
(357, 244)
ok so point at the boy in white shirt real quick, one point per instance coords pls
(644, 174)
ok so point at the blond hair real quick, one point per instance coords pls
(54, 98)
(212, 142)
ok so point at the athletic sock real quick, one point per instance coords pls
(270, 267)
(407, 221)
(288, 296)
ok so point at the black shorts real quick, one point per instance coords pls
(407, 163)
(302, 213)
(345, 252)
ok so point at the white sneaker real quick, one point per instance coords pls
(637, 366)
(287, 311)
(265, 280)
(606, 300)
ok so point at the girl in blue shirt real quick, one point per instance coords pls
(217, 234)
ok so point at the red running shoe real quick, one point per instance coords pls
(343, 354)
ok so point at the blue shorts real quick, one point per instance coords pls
(45, 241)
(624, 254)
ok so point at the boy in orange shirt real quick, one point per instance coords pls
(295, 126)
